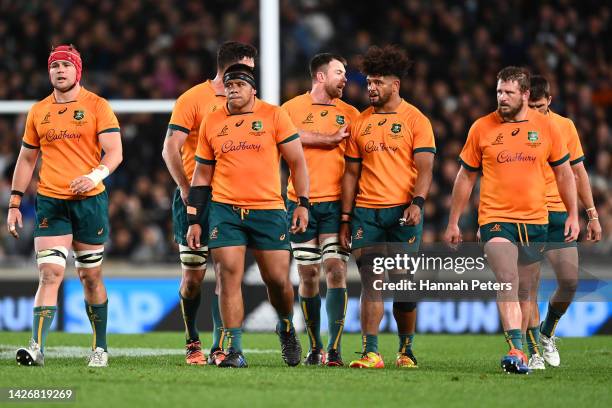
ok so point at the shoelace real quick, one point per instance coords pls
(193, 347)
(97, 357)
(289, 341)
(551, 346)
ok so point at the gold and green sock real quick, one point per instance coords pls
(311, 308)
(533, 339)
(285, 323)
(405, 342)
(218, 331)
(42, 319)
(335, 302)
(98, 316)
(369, 343)
(189, 309)
(548, 326)
(234, 338)
(514, 338)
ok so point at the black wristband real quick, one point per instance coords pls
(303, 202)
(418, 201)
(197, 202)
(345, 221)
(17, 192)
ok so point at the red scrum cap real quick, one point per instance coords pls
(66, 53)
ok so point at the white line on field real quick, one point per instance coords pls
(7, 351)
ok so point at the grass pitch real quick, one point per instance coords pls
(462, 370)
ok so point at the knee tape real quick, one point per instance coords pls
(330, 248)
(193, 258)
(306, 254)
(88, 258)
(56, 255)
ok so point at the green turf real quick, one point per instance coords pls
(454, 371)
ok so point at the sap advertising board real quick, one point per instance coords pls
(137, 306)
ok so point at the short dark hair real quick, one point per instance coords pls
(230, 52)
(388, 60)
(323, 59)
(540, 88)
(518, 74)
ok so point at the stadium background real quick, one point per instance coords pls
(158, 49)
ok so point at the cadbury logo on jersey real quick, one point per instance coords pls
(509, 157)
(373, 147)
(243, 145)
(52, 135)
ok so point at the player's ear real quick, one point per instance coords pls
(396, 85)
(320, 76)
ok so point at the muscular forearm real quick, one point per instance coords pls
(567, 189)
(301, 183)
(424, 163)
(583, 186)
(349, 190)
(23, 171)
(174, 163)
(112, 159)
(171, 154)
(460, 196)
(311, 139)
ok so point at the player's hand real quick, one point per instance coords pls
(344, 235)
(299, 222)
(14, 220)
(411, 216)
(452, 236)
(194, 233)
(333, 140)
(572, 229)
(593, 231)
(184, 194)
(81, 185)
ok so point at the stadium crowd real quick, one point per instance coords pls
(158, 49)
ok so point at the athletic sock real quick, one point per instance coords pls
(234, 339)
(41, 322)
(547, 327)
(311, 308)
(189, 309)
(335, 303)
(98, 316)
(285, 323)
(405, 342)
(370, 343)
(218, 332)
(533, 339)
(514, 338)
